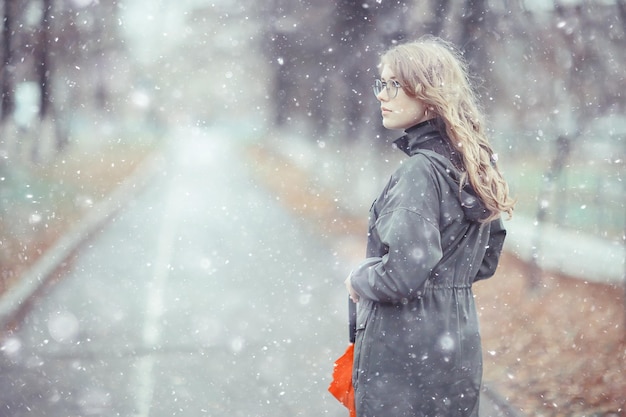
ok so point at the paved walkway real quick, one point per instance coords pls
(200, 295)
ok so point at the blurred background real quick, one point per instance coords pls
(91, 88)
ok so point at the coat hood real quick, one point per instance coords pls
(428, 138)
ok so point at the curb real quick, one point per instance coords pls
(569, 252)
(37, 275)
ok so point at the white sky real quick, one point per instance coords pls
(155, 25)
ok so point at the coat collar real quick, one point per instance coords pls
(426, 136)
(416, 136)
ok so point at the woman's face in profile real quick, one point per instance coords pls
(402, 111)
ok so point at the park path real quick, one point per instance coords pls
(204, 296)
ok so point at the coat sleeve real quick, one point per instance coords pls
(408, 228)
(497, 233)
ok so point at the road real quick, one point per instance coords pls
(204, 296)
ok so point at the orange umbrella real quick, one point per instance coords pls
(341, 385)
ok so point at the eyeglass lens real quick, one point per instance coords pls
(380, 85)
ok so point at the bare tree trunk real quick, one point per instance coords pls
(440, 12)
(43, 67)
(351, 28)
(7, 88)
(43, 70)
(471, 32)
(562, 152)
(624, 283)
(621, 6)
(359, 34)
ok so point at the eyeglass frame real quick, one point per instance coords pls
(379, 85)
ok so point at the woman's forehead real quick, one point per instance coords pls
(387, 73)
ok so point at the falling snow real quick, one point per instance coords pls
(184, 186)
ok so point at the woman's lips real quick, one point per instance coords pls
(384, 110)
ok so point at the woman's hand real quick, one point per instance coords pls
(353, 295)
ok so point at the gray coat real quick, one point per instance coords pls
(418, 350)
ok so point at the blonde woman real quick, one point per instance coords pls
(434, 230)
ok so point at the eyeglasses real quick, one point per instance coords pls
(391, 86)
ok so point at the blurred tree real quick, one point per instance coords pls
(44, 65)
(360, 32)
(352, 62)
(7, 103)
(290, 50)
(472, 35)
(547, 193)
(621, 7)
(282, 60)
(440, 11)
(585, 70)
(43, 69)
(7, 85)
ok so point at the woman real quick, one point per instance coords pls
(434, 230)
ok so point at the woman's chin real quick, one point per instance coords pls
(389, 125)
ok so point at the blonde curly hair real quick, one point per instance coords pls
(434, 72)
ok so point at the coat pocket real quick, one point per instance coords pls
(365, 311)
